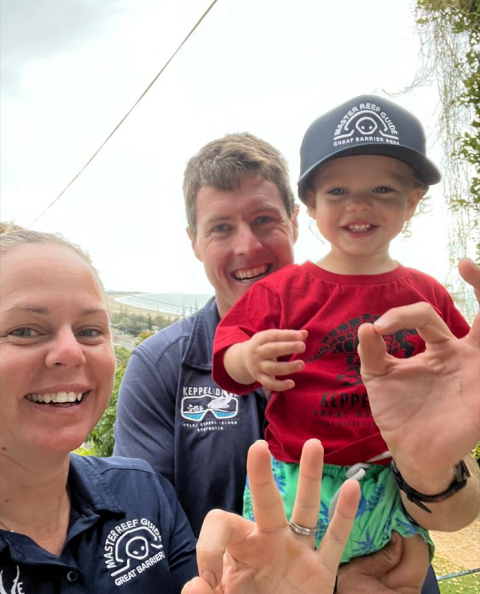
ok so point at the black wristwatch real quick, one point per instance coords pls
(459, 481)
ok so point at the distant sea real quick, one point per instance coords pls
(180, 304)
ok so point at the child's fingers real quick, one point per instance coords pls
(276, 368)
(279, 336)
(273, 350)
(274, 384)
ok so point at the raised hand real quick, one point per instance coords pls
(426, 407)
(236, 556)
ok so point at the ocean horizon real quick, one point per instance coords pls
(179, 304)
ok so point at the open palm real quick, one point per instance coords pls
(241, 557)
(426, 407)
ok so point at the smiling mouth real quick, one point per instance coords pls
(360, 228)
(60, 399)
(248, 275)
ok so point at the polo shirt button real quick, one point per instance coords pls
(72, 576)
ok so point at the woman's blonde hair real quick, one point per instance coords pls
(13, 236)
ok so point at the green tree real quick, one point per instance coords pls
(449, 32)
(100, 442)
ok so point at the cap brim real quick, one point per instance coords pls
(426, 171)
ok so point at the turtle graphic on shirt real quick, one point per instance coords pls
(343, 340)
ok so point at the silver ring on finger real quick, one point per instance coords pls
(301, 530)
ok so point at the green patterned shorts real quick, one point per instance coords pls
(380, 510)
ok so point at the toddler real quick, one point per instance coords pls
(363, 172)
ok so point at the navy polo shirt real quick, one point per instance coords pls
(172, 414)
(127, 534)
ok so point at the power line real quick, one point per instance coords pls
(127, 114)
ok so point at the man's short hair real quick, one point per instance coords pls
(223, 163)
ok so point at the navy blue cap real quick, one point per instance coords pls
(366, 125)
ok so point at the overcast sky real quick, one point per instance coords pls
(70, 70)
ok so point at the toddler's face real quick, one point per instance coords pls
(361, 203)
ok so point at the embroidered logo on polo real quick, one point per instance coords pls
(365, 122)
(15, 586)
(208, 403)
(131, 548)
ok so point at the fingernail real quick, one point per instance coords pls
(379, 323)
(209, 578)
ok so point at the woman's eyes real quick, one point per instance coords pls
(25, 332)
(90, 333)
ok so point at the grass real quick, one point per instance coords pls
(467, 584)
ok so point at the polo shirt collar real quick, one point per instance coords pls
(199, 351)
(91, 498)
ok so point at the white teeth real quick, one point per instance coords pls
(359, 228)
(59, 398)
(250, 272)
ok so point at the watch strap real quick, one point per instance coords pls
(459, 481)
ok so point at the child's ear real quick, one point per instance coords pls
(311, 202)
(412, 202)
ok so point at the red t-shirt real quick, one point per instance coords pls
(329, 400)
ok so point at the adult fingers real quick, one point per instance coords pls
(307, 500)
(471, 274)
(268, 507)
(420, 316)
(196, 586)
(219, 530)
(335, 539)
(372, 352)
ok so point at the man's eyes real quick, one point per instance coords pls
(263, 220)
(221, 228)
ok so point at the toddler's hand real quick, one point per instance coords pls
(264, 349)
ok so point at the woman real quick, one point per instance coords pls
(81, 524)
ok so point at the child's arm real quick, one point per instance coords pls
(256, 359)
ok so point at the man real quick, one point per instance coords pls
(242, 224)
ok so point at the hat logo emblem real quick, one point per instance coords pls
(365, 123)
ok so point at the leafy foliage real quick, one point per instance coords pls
(449, 32)
(101, 440)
